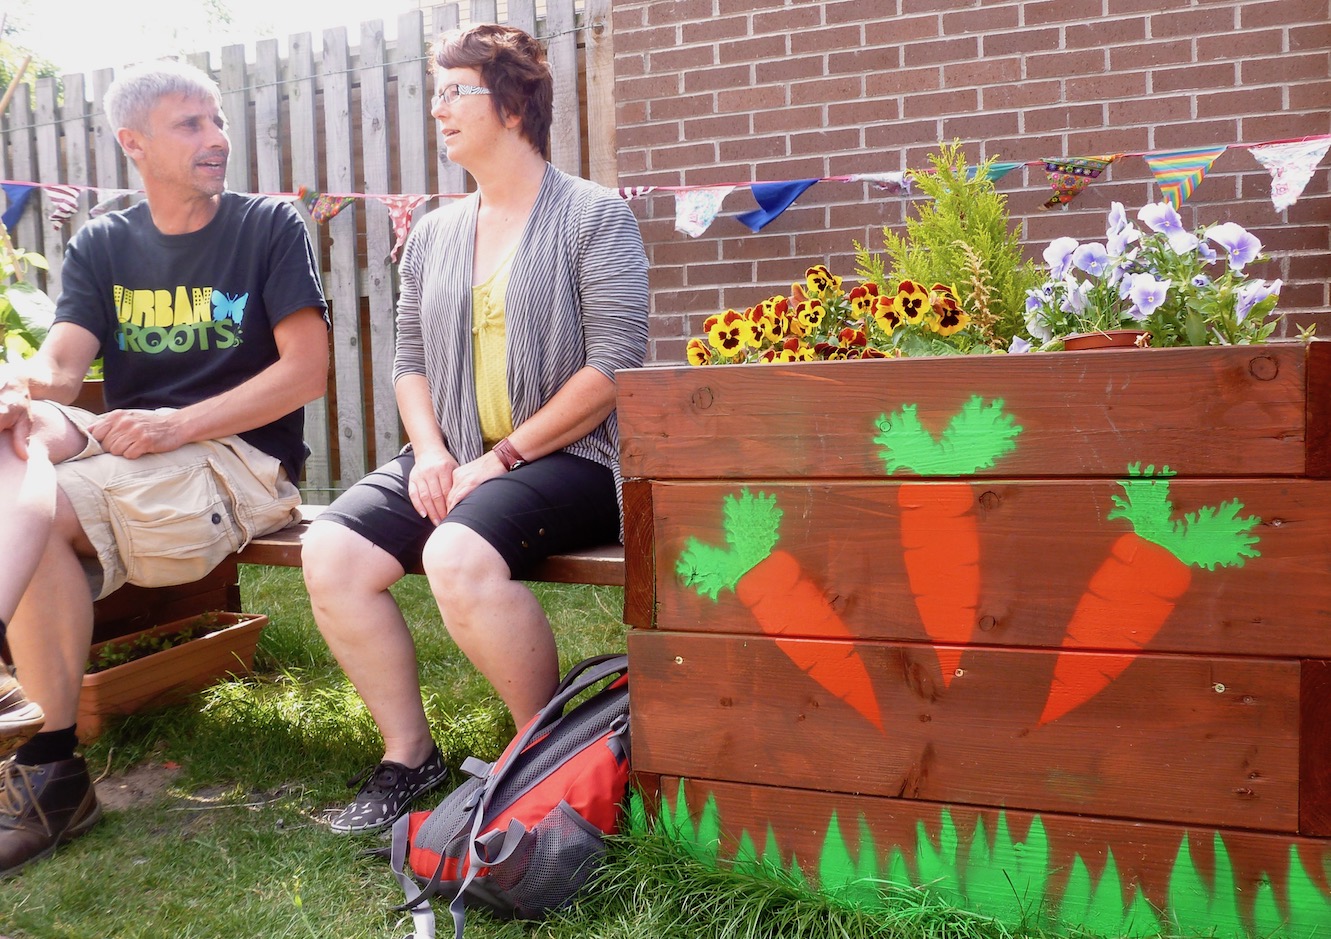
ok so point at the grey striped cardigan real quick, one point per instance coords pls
(577, 296)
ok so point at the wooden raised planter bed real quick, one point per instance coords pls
(1188, 786)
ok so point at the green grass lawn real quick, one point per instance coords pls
(213, 828)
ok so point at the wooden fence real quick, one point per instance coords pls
(341, 119)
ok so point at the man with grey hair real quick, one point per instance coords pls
(206, 309)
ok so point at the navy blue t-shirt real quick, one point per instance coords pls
(181, 318)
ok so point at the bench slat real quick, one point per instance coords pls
(601, 565)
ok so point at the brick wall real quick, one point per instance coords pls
(734, 91)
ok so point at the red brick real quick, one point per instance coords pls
(909, 7)
(716, 30)
(828, 89)
(1240, 101)
(940, 51)
(866, 161)
(729, 7)
(1106, 32)
(1284, 69)
(874, 211)
(1192, 23)
(1151, 110)
(1016, 95)
(677, 59)
(1149, 55)
(666, 106)
(902, 29)
(1065, 117)
(714, 79)
(628, 113)
(752, 149)
(788, 20)
(863, 61)
(681, 249)
(1278, 127)
(749, 247)
(852, 11)
(688, 301)
(1107, 87)
(794, 168)
(1020, 41)
(649, 135)
(784, 120)
(826, 39)
(985, 19)
(1264, 42)
(1311, 38)
(1107, 140)
(665, 327)
(677, 11)
(941, 103)
(789, 69)
(900, 134)
(646, 88)
(1184, 135)
(630, 162)
(712, 127)
(982, 73)
(824, 142)
(754, 99)
(1282, 13)
(761, 49)
(862, 112)
(904, 81)
(718, 174)
(1061, 11)
(692, 154)
(628, 16)
(981, 126)
(1064, 64)
(1206, 77)
(1311, 98)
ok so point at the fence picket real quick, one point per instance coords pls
(48, 167)
(236, 106)
(268, 132)
(562, 49)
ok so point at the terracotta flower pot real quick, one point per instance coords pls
(1107, 339)
(168, 675)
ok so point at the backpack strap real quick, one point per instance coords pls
(422, 917)
(586, 674)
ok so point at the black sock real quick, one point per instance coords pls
(48, 746)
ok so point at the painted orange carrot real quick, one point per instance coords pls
(784, 602)
(1131, 595)
(939, 533)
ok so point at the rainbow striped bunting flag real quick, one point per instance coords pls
(1179, 172)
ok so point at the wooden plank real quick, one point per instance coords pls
(77, 144)
(49, 170)
(484, 11)
(1047, 872)
(562, 48)
(27, 234)
(302, 130)
(602, 154)
(452, 178)
(269, 134)
(111, 161)
(1191, 740)
(522, 14)
(240, 126)
(639, 554)
(342, 281)
(1315, 758)
(1232, 411)
(375, 148)
(1016, 576)
(414, 139)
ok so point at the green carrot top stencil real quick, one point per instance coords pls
(974, 439)
(1213, 536)
(751, 526)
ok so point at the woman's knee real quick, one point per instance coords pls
(335, 559)
(458, 561)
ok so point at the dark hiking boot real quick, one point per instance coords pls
(41, 807)
(19, 717)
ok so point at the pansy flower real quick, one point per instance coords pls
(1242, 246)
(1058, 255)
(911, 302)
(765, 324)
(1161, 217)
(1147, 294)
(886, 314)
(809, 316)
(864, 299)
(949, 317)
(822, 282)
(1253, 293)
(730, 332)
(698, 352)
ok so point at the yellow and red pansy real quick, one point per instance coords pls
(809, 316)
(911, 302)
(864, 299)
(729, 332)
(698, 352)
(822, 282)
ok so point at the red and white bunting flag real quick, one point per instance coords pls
(399, 210)
(1291, 166)
(64, 202)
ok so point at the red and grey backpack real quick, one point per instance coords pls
(522, 835)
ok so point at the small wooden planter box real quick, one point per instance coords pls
(170, 675)
(844, 718)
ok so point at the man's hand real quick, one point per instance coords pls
(134, 432)
(15, 411)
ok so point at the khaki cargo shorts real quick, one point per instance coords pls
(170, 518)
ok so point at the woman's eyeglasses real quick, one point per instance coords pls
(449, 94)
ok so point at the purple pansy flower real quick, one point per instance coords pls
(1059, 256)
(1019, 345)
(1091, 258)
(1161, 217)
(1147, 294)
(1251, 294)
(1242, 246)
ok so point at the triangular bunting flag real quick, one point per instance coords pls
(17, 196)
(696, 208)
(772, 199)
(322, 206)
(994, 171)
(399, 210)
(1070, 175)
(896, 182)
(1179, 172)
(108, 199)
(64, 203)
(1291, 165)
(634, 192)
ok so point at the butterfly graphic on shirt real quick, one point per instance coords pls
(229, 308)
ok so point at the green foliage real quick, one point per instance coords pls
(127, 650)
(26, 313)
(751, 525)
(974, 439)
(1213, 536)
(960, 237)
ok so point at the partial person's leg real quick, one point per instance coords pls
(495, 620)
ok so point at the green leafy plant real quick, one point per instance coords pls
(26, 312)
(960, 236)
(115, 653)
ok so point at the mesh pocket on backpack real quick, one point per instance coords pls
(552, 866)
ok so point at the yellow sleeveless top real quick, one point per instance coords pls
(489, 342)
